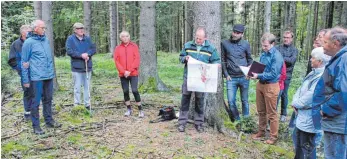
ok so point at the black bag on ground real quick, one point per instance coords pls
(167, 113)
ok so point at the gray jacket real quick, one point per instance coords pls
(303, 100)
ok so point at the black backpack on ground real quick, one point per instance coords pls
(166, 113)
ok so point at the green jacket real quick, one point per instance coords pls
(208, 53)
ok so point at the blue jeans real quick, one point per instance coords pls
(284, 97)
(80, 79)
(278, 98)
(232, 86)
(42, 89)
(335, 145)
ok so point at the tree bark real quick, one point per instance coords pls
(344, 15)
(113, 25)
(309, 26)
(207, 14)
(148, 68)
(267, 18)
(47, 18)
(329, 14)
(38, 9)
(87, 17)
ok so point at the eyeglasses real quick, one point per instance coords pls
(79, 28)
(287, 37)
(236, 32)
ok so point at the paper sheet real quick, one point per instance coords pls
(202, 77)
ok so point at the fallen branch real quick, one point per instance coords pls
(10, 136)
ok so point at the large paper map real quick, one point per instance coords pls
(202, 77)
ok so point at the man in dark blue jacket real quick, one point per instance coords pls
(39, 75)
(289, 53)
(236, 52)
(81, 49)
(329, 111)
(14, 60)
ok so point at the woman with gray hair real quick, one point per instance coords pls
(302, 105)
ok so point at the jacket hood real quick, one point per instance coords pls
(35, 36)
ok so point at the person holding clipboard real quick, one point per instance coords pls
(267, 88)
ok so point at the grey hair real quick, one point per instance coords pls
(203, 29)
(24, 28)
(338, 34)
(268, 37)
(34, 24)
(318, 54)
(124, 32)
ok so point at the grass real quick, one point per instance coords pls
(170, 71)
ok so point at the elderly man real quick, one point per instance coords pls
(14, 60)
(305, 146)
(127, 59)
(318, 42)
(200, 49)
(81, 49)
(289, 53)
(37, 52)
(235, 53)
(268, 88)
(330, 96)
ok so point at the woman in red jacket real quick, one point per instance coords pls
(281, 82)
(127, 59)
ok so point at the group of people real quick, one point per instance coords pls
(319, 104)
(31, 56)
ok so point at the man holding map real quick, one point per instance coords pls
(202, 50)
(236, 52)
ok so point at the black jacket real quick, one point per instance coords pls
(289, 53)
(235, 54)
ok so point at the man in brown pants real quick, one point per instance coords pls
(268, 88)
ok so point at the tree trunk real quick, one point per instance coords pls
(113, 25)
(278, 23)
(87, 17)
(47, 18)
(267, 18)
(188, 22)
(344, 15)
(148, 69)
(309, 26)
(315, 19)
(329, 14)
(38, 9)
(207, 14)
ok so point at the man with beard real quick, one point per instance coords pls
(236, 52)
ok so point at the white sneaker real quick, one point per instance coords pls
(283, 118)
(141, 114)
(128, 112)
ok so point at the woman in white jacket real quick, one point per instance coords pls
(302, 104)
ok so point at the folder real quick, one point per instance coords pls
(256, 67)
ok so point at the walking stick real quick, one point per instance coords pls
(90, 103)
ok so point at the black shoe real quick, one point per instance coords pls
(88, 107)
(38, 131)
(199, 128)
(53, 125)
(181, 128)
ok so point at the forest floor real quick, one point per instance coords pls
(107, 133)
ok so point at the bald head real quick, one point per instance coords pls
(200, 35)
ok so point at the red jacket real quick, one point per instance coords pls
(283, 76)
(127, 58)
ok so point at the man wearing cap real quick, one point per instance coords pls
(236, 52)
(289, 53)
(81, 49)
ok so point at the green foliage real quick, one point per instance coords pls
(149, 86)
(74, 138)
(79, 110)
(247, 125)
(13, 146)
(7, 75)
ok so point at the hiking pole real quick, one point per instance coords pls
(90, 103)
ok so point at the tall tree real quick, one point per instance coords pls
(344, 15)
(148, 69)
(309, 26)
(113, 25)
(87, 17)
(188, 21)
(329, 14)
(207, 14)
(47, 18)
(38, 9)
(267, 18)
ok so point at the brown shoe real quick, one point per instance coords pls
(271, 141)
(258, 136)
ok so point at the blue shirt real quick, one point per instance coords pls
(273, 62)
